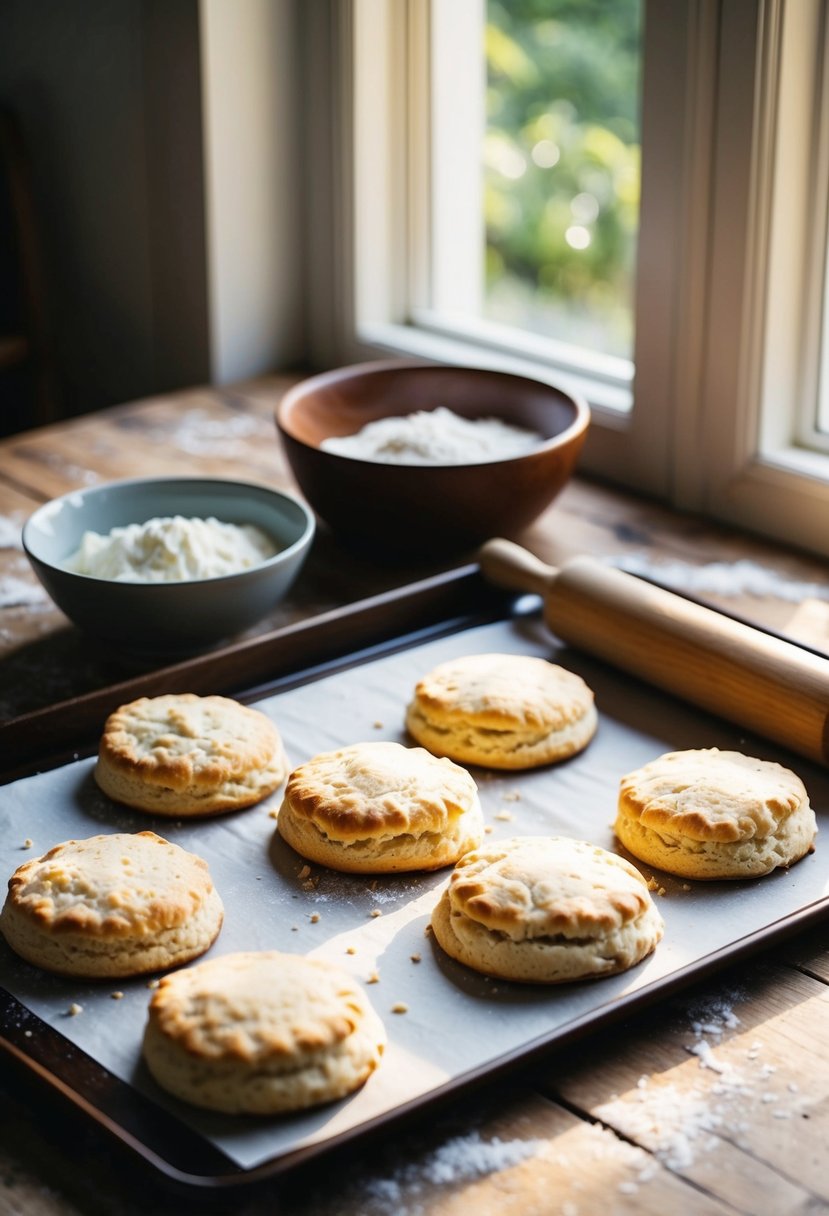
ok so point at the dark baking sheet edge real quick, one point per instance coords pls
(50, 736)
(54, 734)
(138, 1124)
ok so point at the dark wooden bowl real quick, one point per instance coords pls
(402, 510)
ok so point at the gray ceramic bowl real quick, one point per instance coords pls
(177, 617)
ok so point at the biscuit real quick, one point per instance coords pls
(261, 1033)
(375, 808)
(188, 755)
(710, 814)
(108, 906)
(502, 711)
(546, 910)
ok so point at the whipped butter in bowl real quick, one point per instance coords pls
(168, 566)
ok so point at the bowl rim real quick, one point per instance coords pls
(302, 542)
(322, 379)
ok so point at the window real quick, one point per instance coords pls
(555, 222)
(712, 393)
(530, 180)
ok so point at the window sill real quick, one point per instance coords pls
(611, 405)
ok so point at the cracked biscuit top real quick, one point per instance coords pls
(185, 740)
(547, 887)
(502, 692)
(378, 789)
(711, 795)
(183, 754)
(502, 711)
(111, 887)
(259, 1006)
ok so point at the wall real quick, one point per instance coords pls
(162, 141)
(251, 112)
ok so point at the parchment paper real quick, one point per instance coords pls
(456, 1021)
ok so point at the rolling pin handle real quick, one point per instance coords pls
(508, 565)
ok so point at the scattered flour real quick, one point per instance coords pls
(436, 437)
(198, 434)
(702, 1049)
(394, 894)
(461, 1159)
(715, 1015)
(468, 1158)
(678, 1123)
(17, 593)
(721, 578)
(70, 472)
(10, 533)
(673, 1123)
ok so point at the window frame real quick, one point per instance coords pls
(698, 433)
(755, 392)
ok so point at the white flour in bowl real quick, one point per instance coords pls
(436, 437)
(171, 550)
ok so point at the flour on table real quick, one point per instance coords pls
(68, 470)
(11, 530)
(199, 434)
(675, 1124)
(725, 579)
(678, 1123)
(470, 1158)
(461, 1159)
(17, 593)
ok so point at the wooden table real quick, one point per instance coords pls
(716, 1103)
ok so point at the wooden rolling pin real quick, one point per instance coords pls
(762, 683)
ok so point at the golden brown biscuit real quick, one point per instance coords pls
(375, 808)
(714, 814)
(546, 910)
(111, 906)
(261, 1033)
(502, 711)
(188, 755)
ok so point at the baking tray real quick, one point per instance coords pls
(46, 736)
(460, 1028)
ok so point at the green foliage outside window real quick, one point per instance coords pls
(562, 167)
